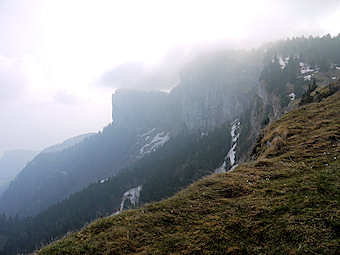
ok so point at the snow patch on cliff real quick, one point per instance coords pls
(283, 62)
(132, 195)
(159, 140)
(103, 180)
(307, 77)
(221, 169)
(147, 133)
(235, 125)
(304, 68)
(231, 155)
(233, 167)
(234, 137)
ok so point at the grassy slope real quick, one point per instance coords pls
(286, 201)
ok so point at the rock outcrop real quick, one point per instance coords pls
(194, 108)
(132, 108)
(207, 107)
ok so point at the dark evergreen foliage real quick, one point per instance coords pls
(317, 52)
(307, 97)
(310, 50)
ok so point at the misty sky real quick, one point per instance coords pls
(61, 60)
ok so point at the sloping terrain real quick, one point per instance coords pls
(285, 201)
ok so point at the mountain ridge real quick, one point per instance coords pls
(11, 162)
(67, 143)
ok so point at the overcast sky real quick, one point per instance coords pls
(60, 60)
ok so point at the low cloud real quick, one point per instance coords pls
(13, 79)
(63, 97)
(161, 76)
(124, 75)
(138, 76)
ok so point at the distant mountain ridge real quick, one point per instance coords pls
(11, 163)
(67, 143)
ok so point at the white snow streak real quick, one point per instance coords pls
(307, 77)
(231, 155)
(159, 140)
(292, 96)
(221, 169)
(233, 167)
(132, 195)
(283, 62)
(305, 68)
(147, 133)
(235, 125)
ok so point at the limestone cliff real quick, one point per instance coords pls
(194, 108)
(207, 107)
(213, 90)
(263, 108)
(138, 108)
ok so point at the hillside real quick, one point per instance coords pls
(285, 201)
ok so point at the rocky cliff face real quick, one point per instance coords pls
(133, 108)
(212, 91)
(200, 108)
(269, 100)
(263, 108)
(207, 107)
(203, 101)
